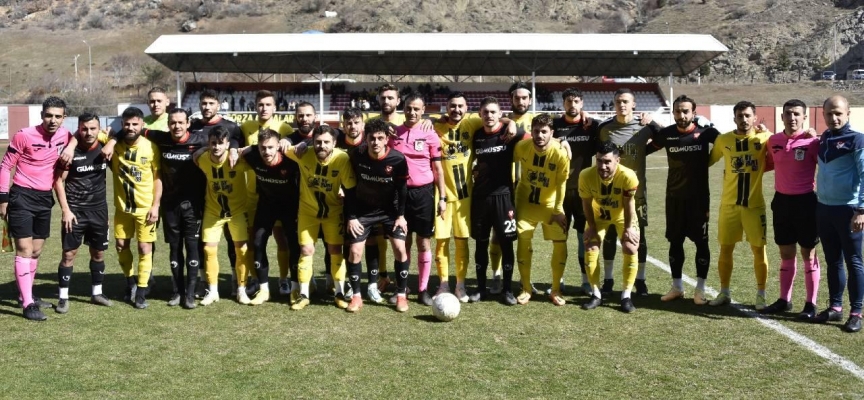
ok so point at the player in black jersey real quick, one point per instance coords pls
(688, 147)
(80, 189)
(183, 190)
(276, 182)
(378, 198)
(581, 132)
(492, 207)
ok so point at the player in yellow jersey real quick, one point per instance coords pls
(265, 105)
(137, 192)
(323, 174)
(607, 190)
(742, 207)
(540, 192)
(224, 204)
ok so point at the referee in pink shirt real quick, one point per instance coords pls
(422, 150)
(33, 154)
(794, 153)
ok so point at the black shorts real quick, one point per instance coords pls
(182, 221)
(269, 212)
(494, 212)
(795, 219)
(371, 222)
(420, 210)
(687, 218)
(29, 213)
(573, 210)
(91, 227)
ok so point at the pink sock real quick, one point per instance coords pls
(788, 269)
(812, 275)
(24, 280)
(424, 265)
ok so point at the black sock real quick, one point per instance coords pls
(508, 258)
(64, 275)
(703, 259)
(676, 258)
(354, 272)
(177, 262)
(97, 272)
(326, 260)
(401, 270)
(481, 263)
(371, 264)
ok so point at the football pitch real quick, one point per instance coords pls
(227, 350)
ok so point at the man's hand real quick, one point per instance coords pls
(355, 228)
(401, 223)
(812, 133)
(300, 149)
(761, 128)
(108, 150)
(559, 219)
(512, 130)
(284, 144)
(631, 235)
(67, 154)
(233, 156)
(153, 215)
(590, 237)
(3, 207)
(442, 208)
(858, 222)
(69, 220)
(586, 119)
(566, 146)
(426, 124)
(645, 119)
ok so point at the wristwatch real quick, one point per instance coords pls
(444, 198)
(859, 210)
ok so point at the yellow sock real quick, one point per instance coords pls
(630, 269)
(240, 265)
(461, 260)
(145, 267)
(523, 258)
(591, 258)
(125, 258)
(282, 259)
(724, 265)
(760, 266)
(559, 262)
(211, 265)
(382, 254)
(304, 268)
(442, 257)
(337, 267)
(495, 258)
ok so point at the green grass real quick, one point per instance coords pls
(664, 350)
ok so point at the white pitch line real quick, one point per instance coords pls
(657, 168)
(796, 337)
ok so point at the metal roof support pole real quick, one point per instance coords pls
(179, 94)
(533, 94)
(321, 93)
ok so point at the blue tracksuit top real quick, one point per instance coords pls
(840, 178)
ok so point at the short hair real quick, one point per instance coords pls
(322, 129)
(376, 125)
(623, 90)
(87, 116)
(413, 96)
(543, 119)
(304, 104)
(518, 85)
(743, 105)
(266, 133)
(208, 94)
(54, 102)
(262, 94)
(607, 147)
(220, 133)
(387, 87)
(351, 113)
(157, 89)
(684, 99)
(454, 95)
(132, 112)
(571, 92)
(795, 103)
(178, 110)
(488, 100)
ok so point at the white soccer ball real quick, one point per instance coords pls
(446, 307)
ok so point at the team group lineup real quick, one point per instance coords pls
(460, 175)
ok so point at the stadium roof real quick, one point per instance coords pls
(479, 54)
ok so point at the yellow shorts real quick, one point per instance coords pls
(526, 224)
(127, 226)
(603, 225)
(456, 220)
(734, 221)
(309, 226)
(212, 226)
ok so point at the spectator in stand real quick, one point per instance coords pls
(225, 104)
